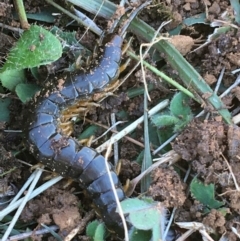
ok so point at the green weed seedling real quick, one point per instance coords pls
(96, 231)
(205, 194)
(178, 116)
(35, 47)
(147, 217)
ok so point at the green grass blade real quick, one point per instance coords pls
(147, 160)
(187, 73)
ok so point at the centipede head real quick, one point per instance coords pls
(129, 19)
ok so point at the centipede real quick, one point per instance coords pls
(48, 129)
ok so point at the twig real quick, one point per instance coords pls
(233, 176)
(80, 228)
(114, 131)
(29, 234)
(132, 126)
(38, 173)
(21, 14)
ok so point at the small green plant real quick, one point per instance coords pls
(205, 194)
(96, 231)
(179, 115)
(36, 47)
(147, 217)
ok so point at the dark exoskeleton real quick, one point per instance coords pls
(62, 153)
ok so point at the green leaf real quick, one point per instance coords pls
(163, 136)
(179, 105)
(161, 120)
(147, 160)
(91, 228)
(182, 123)
(134, 204)
(144, 220)
(36, 47)
(44, 14)
(100, 233)
(35, 73)
(26, 91)
(139, 235)
(131, 93)
(71, 42)
(4, 113)
(153, 135)
(140, 157)
(204, 194)
(88, 132)
(11, 78)
(224, 211)
(146, 215)
(236, 6)
(196, 19)
(96, 231)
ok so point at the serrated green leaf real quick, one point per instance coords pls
(71, 42)
(26, 91)
(4, 113)
(181, 124)
(11, 78)
(160, 120)
(204, 194)
(179, 105)
(36, 47)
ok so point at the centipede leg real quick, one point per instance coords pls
(87, 142)
(118, 170)
(50, 176)
(95, 51)
(38, 165)
(124, 66)
(113, 85)
(127, 45)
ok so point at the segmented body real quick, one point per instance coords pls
(47, 128)
(62, 153)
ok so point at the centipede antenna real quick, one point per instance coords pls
(116, 22)
(132, 16)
